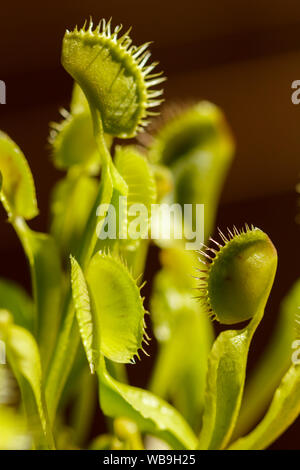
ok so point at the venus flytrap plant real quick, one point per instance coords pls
(119, 96)
(87, 287)
(235, 287)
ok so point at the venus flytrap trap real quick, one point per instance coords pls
(235, 287)
(85, 322)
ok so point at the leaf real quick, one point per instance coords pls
(73, 142)
(72, 139)
(23, 356)
(272, 366)
(149, 412)
(15, 299)
(46, 275)
(136, 172)
(136, 206)
(118, 307)
(17, 188)
(79, 103)
(224, 387)
(284, 409)
(112, 75)
(73, 194)
(84, 313)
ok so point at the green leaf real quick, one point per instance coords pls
(151, 413)
(75, 194)
(118, 307)
(79, 103)
(23, 356)
(137, 174)
(224, 387)
(17, 188)
(272, 366)
(73, 142)
(72, 139)
(84, 313)
(284, 409)
(46, 275)
(16, 300)
(112, 75)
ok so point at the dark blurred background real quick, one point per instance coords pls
(243, 56)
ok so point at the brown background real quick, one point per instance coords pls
(241, 55)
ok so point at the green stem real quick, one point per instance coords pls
(84, 408)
